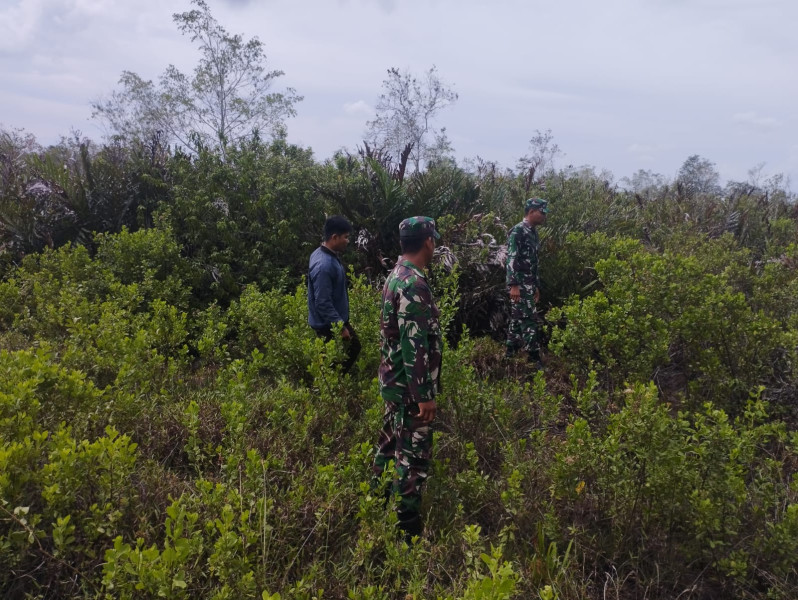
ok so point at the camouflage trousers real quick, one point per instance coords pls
(522, 333)
(407, 443)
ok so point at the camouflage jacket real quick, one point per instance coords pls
(410, 338)
(522, 256)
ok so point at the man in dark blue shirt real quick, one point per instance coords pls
(328, 299)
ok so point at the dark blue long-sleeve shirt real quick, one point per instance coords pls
(328, 299)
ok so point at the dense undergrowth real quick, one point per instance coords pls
(151, 449)
(170, 426)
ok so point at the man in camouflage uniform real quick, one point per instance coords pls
(523, 280)
(410, 346)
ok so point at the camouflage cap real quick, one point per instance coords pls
(537, 204)
(418, 227)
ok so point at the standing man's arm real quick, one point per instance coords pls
(413, 316)
(513, 279)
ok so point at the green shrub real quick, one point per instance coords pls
(668, 311)
(151, 259)
(156, 443)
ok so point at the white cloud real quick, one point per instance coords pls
(643, 152)
(536, 94)
(387, 5)
(612, 85)
(753, 119)
(360, 107)
(17, 23)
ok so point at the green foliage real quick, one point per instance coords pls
(376, 198)
(149, 258)
(672, 313)
(690, 482)
(498, 584)
(251, 218)
(244, 472)
(171, 427)
(37, 393)
(68, 192)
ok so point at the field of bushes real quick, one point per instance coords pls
(170, 426)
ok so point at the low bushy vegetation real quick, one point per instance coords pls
(156, 445)
(170, 426)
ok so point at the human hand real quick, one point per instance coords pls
(345, 333)
(426, 411)
(515, 293)
(537, 295)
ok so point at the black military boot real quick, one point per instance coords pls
(534, 359)
(411, 525)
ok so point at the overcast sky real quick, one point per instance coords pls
(622, 84)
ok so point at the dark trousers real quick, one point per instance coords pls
(524, 330)
(407, 442)
(351, 346)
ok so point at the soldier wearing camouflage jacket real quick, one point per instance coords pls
(411, 349)
(523, 280)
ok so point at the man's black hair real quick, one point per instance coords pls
(411, 245)
(336, 225)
